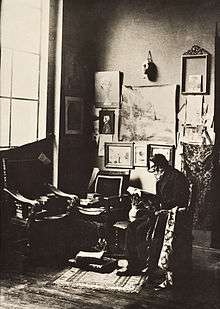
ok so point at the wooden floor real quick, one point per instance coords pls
(25, 287)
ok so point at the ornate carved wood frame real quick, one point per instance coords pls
(195, 71)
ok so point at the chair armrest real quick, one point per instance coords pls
(60, 193)
(165, 211)
(182, 209)
(44, 218)
(20, 198)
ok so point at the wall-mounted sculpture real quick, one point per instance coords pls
(150, 68)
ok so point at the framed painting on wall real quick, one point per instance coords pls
(107, 89)
(167, 150)
(119, 155)
(195, 71)
(106, 122)
(140, 154)
(74, 110)
(144, 116)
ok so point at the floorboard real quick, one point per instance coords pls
(26, 288)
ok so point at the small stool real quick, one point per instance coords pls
(120, 229)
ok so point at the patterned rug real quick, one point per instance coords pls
(76, 277)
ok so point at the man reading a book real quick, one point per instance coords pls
(145, 239)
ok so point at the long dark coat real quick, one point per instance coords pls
(173, 190)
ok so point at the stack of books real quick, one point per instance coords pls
(94, 261)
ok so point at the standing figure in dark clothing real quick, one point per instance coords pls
(171, 245)
(147, 235)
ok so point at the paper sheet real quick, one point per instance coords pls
(194, 110)
(104, 138)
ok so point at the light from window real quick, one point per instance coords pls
(23, 75)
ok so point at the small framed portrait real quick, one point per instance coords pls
(167, 150)
(119, 155)
(74, 114)
(106, 122)
(140, 154)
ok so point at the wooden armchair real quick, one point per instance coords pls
(45, 222)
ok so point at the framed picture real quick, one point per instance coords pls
(106, 122)
(119, 155)
(167, 150)
(195, 83)
(107, 89)
(193, 134)
(195, 69)
(74, 114)
(140, 154)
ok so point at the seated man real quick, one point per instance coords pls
(140, 231)
(172, 190)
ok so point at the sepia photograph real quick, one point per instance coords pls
(109, 154)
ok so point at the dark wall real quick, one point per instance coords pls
(78, 64)
(117, 35)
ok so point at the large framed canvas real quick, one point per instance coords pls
(119, 155)
(148, 114)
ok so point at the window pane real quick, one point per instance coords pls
(33, 3)
(16, 19)
(25, 75)
(5, 72)
(4, 121)
(23, 122)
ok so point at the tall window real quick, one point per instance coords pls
(23, 74)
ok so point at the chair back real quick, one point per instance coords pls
(109, 183)
(26, 168)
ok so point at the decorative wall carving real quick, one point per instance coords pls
(196, 50)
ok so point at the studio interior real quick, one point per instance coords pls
(99, 101)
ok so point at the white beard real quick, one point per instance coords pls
(158, 175)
